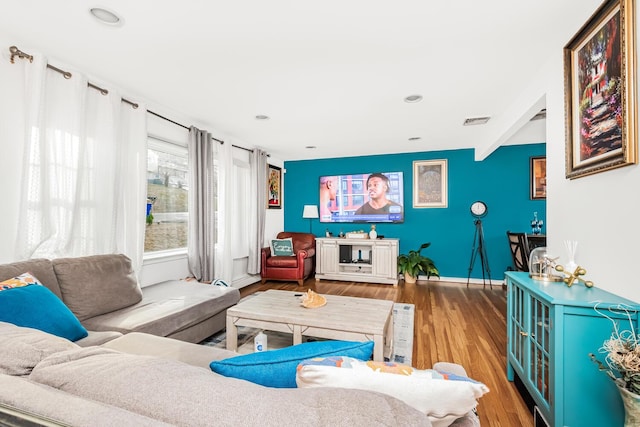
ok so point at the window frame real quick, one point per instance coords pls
(176, 148)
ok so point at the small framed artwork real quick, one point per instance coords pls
(538, 178)
(600, 92)
(430, 184)
(274, 187)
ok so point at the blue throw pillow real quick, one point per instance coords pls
(277, 368)
(35, 306)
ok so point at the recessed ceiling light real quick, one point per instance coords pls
(106, 16)
(413, 98)
(262, 117)
(310, 147)
(475, 121)
(415, 138)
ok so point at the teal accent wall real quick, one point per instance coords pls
(501, 181)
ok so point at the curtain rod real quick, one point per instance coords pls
(67, 75)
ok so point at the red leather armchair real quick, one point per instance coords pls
(290, 268)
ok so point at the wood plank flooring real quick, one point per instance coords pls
(453, 323)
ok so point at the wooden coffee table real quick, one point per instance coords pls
(342, 318)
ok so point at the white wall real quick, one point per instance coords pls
(11, 147)
(598, 211)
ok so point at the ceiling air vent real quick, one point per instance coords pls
(541, 115)
(475, 121)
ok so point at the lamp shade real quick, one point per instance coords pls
(310, 211)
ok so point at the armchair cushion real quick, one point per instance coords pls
(282, 261)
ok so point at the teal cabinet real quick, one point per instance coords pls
(551, 329)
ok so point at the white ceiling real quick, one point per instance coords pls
(331, 74)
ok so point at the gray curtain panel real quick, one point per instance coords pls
(258, 208)
(202, 232)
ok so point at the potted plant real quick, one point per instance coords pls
(622, 365)
(413, 263)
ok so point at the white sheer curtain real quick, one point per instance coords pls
(257, 208)
(224, 176)
(83, 183)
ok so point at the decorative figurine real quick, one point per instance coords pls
(536, 224)
(571, 278)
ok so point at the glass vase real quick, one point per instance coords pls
(631, 403)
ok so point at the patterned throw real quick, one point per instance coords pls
(24, 279)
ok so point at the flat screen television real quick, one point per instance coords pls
(366, 197)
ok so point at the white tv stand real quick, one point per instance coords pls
(357, 260)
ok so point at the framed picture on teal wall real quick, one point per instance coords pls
(430, 184)
(274, 187)
(538, 178)
(600, 92)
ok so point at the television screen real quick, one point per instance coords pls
(368, 197)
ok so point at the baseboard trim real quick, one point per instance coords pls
(241, 282)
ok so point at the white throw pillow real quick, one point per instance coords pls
(441, 396)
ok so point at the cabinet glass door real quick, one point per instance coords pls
(539, 345)
(519, 330)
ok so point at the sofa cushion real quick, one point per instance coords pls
(168, 307)
(98, 338)
(282, 247)
(23, 348)
(168, 348)
(180, 394)
(442, 396)
(277, 368)
(31, 404)
(35, 306)
(94, 285)
(40, 268)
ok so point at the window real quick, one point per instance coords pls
(240, 208)
(167, 196)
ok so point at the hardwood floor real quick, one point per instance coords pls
(453, 323)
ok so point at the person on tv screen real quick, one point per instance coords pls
(377, 188)
(328, 187)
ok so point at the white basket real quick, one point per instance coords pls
(357, 235)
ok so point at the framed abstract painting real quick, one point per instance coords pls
(600, 92)
(430, 184)
(538, 178)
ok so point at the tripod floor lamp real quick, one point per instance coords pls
(310, 212)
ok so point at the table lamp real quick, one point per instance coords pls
(310, 212)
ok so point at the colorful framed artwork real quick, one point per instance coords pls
(274, 187)
(538, 178)
(600, 92)
(430, 184)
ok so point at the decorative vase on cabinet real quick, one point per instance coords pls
(631, 403)
(373, 234)
(551, 329)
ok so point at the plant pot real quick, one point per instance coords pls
(631, 403)
(409, 278)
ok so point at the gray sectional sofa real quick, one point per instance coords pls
(47, 380)
(103, 293)
(137, 366)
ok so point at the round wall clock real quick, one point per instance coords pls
(478, 209)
